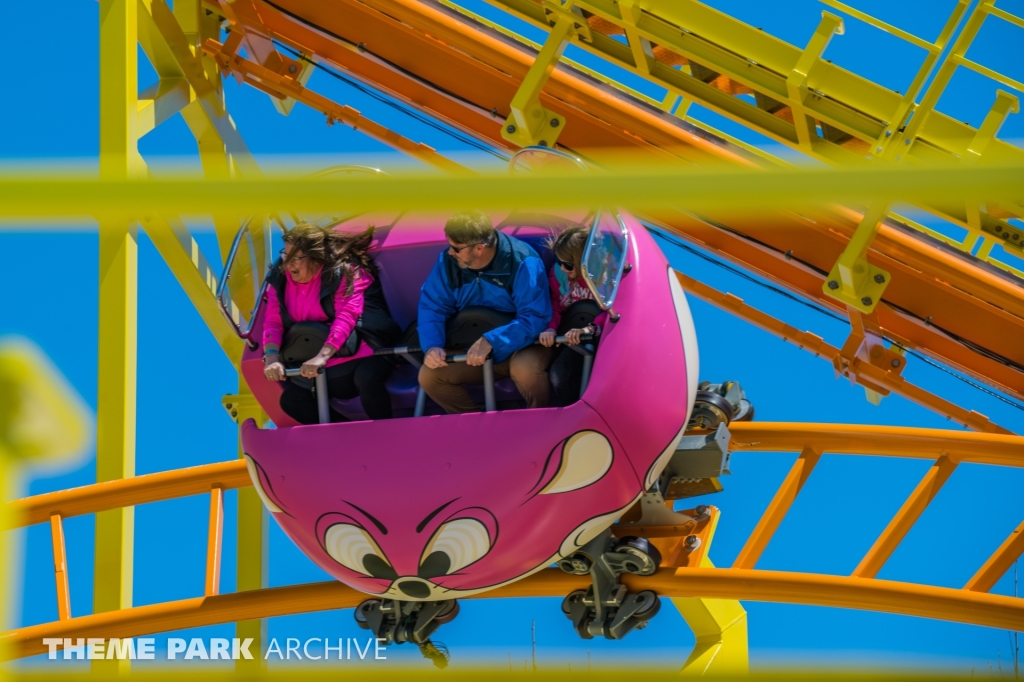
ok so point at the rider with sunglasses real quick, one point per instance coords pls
(567, 287)
(485, 267)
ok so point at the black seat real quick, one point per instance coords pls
(579, 315)
(469, 324)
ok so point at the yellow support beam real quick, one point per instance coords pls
(192, 85)
(853, 280)
(720, 626)
(180, 251)
(253, 537)
(862, 117)
(647, 189)
(118, 267)
(1004, 105)
(161, 101)
(530, 123)
(796, 81)
(172, 40)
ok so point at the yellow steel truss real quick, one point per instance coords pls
(643, 189)
(115, 422)
(808, 103)
(188, 84)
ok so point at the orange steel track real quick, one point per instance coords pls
(465, 74)
(771, 586)
(971, 604)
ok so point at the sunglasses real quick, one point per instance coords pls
(567, 266)
(460, 249)
(296, 259)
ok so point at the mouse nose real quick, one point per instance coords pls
(416, 589)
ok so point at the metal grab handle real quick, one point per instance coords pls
(490, 403)
(406, 350)
(320, 387)
(588, 366)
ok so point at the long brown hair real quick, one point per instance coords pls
(569, 245)
(333, 250)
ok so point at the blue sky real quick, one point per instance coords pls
(182, 376)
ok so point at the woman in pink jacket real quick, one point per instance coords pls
(329, 277)
(567, 287)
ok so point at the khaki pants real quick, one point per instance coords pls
(527, 367)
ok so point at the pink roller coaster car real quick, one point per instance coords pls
(418, 511)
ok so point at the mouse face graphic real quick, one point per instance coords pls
(468, 514)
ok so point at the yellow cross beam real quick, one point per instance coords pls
(646, 188)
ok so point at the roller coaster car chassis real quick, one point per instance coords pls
(606, 608)
(397, 622)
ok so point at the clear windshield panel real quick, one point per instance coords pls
(341, 215)
(605, 256)
(544, 160)
(241, 286)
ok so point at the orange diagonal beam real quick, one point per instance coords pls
(777, 509)
(284, 86)
(906, 517)
(999, 562)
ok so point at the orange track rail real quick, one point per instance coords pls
(718, 583)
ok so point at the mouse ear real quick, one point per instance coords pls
(258, 477)
(586, 457)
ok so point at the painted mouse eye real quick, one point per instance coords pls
(455, 545)
(353, 548)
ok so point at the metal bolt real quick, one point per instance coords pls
(895, 362)
(510, 129)
(833, 285)
(554, 123)
(234, 413)
(543, 143)
(691, 542)
(888, 133)
(702, 510)
(906, 142)
(880, 279)
(878, 149)
(292, 68)
(866, 300)
(361, 47)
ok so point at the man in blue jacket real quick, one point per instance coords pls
(484, 267)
